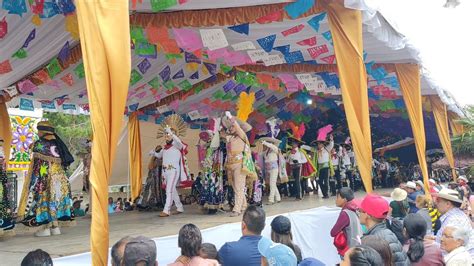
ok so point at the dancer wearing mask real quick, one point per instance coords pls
(46, 197)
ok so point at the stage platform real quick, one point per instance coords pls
(75, 240)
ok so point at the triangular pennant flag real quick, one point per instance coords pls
(30, 37)
(316, 51)
(53, 68)
(276, 16)
(293, 30)
(285, 49)
(315, 21)
(165, 73)
(191, 58)
(63, 55)
(144, 66)
(195, 75)
(329, 59)
(20, 54)
(3, 28)
(68, 79)
(298, 8)
(242, 28)
(267, 42)
(179, 74)
(308, 42)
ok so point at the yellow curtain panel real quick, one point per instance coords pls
(441, 120)
(5, 130)
(456, 127)
(135, 155)
(346, 28)
(105, 44)
(409, 78)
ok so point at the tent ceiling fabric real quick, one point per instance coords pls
(65, 91)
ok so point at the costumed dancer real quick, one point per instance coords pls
(347, 167)
(152, 196)
(275, 167)
(174, 160)
(298, 160)
(6, 214)
(308, 170)
(324, 161)
(46, 196)
(212, 194)
(274, 163)
(239, 164)
(335, 181)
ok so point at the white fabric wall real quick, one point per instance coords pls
(310, 229)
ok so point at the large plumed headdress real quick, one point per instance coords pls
(176, 123)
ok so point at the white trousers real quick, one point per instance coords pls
(172, 178)
(274, 193)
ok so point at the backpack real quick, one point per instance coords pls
(396, 226)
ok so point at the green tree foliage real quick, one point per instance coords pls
(463, 145)
(73, 130)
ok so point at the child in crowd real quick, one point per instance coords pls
(111, 206)
(208, 251)
(347, 231)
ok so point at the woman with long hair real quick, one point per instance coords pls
(420, 251)
(281, 233)
(190, 243)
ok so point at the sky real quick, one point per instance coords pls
(444, 37)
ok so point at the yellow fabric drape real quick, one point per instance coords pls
(456, 127)
(105, 43)
(5, 131)
(441, 120)
(409, 78)
(135, 155)
(346, 29)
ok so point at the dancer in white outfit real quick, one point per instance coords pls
(174, 166)
(270, 157)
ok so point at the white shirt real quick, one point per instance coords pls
(458, 257)
(335, 160)
(323, 154)
(297, 156)
(172, 155)
(272, 154)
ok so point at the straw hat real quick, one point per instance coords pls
(398, 194)
(449, 194)
(411, 185)
(227, 123)
(271, 140)
(419, 182)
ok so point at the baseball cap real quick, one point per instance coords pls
(276, 254)
(140, 249)
(375, 206)
(281, 225)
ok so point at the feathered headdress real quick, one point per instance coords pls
(245, 105)
(176, 123)
(298, 131)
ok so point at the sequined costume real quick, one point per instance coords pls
(46, 196)
(152, 195)
(6, 214)
(212, 194)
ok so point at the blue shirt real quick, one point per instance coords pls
(411, 201)
(241, 253)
